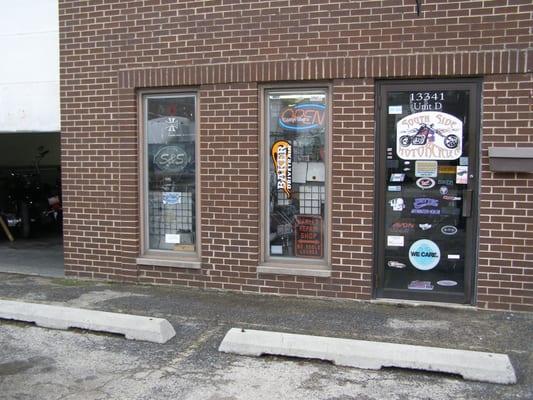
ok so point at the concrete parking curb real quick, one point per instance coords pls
(134, 327)
(472, 365)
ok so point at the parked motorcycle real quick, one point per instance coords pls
(26, 203)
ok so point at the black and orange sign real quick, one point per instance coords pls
(282, 159)
(308, 237)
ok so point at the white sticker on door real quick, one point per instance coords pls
(172, 238)
(426, 169)
(429, 135)
(397, 204)
(395, 109)
(461, 177)
(395, 241)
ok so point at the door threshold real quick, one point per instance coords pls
(419, 303)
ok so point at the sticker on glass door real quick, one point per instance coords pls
(429, 135)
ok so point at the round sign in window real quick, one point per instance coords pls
(424, 254)
(171, 159)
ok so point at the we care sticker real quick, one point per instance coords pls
(424, 254)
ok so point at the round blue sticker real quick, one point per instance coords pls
(424, 254)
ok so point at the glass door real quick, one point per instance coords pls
(428, 179)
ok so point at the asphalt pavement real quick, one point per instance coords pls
(39, 363)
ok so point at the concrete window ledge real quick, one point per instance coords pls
(166, 262)
(419, 303)
(298, 270)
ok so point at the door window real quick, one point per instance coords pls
(426, 225)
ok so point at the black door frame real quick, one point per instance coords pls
(474, 85)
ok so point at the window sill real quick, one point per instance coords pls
(168, 262)
(321, 271)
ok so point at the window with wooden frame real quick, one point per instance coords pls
(169, 176)
(296, 178)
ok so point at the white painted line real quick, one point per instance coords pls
(473, 365)
(135, 327)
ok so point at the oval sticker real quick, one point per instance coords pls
(424, 254)
(171, 159)
(449, 230)
(425, 183)
(303, 116)
(447, 282)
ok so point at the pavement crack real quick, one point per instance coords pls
(197, 343)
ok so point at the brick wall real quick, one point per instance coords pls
(506, 224)
(225, 49)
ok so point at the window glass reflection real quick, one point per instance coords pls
(297, 123)
(170, 137)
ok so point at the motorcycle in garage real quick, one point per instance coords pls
(29, 203)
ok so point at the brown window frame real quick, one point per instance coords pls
(168, 258)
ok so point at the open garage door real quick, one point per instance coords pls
(30, 204)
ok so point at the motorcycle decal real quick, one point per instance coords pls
(425, 183)
(429, 135)
(282, 159)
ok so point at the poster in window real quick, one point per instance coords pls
(308, 237)
(282, 159)
(429, 135)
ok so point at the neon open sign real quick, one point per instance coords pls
(303, 116)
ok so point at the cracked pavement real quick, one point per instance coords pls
(38, 363)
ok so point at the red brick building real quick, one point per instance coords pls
(302, 147)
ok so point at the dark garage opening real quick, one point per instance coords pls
(31, 240)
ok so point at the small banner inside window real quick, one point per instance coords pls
(282, 158)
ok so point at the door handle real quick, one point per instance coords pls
(467, 203)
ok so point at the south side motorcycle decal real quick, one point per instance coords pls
(429, 135)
